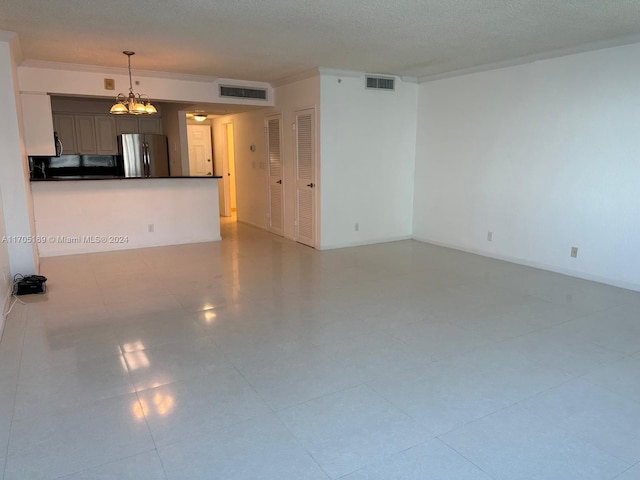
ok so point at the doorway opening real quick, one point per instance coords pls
(228, 195)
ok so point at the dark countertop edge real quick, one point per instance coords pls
(72, 179)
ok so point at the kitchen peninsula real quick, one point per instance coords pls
(76, 215)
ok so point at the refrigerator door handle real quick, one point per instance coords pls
(145, 159)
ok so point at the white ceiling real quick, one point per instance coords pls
(268, 40)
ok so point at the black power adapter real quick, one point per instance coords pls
(29, 284)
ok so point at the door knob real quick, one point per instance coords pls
(279, 181)
(311, 185)
(209, 160)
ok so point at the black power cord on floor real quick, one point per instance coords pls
(28, 285)
(24, 285)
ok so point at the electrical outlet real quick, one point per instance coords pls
(151, 228)
(490, 236)
(574, 252)
(356, 227)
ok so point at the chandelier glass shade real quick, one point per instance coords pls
(133, 103)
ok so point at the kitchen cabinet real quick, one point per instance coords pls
(65, 126)
(38, 124)
(126, 124)
(141, 124)
(85, 134)
(149, 125)
(96, 134)
(106, 135)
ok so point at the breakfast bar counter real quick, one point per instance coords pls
(84, 215)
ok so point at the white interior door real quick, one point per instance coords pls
(305, 176)
(200, 153)
(273, 130)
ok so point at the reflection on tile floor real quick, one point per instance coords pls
(259, 358)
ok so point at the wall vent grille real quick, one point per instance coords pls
(243, 92)
(380, 83)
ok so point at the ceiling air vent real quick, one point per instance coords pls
(380, 83)
(243, 92)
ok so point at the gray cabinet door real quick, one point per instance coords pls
(126, 124)
(106, 135)
(150, 125)
(86, 134)
(65, 127)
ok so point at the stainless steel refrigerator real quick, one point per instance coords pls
(143, 155)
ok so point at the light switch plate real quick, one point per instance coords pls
(109, 84)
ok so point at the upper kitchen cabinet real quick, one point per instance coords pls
(149, 125)
(133, 124)
(85, 127)
(106, 143)
(38, 124)
(85, 134)
(65, 126)
(126, 124)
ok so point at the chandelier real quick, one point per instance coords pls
(134, 103)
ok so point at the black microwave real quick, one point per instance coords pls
(65, 166)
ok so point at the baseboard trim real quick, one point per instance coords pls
(251, 224)
(124, 248)
(5, 306)
(540, 266)
(366, 242)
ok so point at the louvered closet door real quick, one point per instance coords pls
(276, 200)
(305, 177)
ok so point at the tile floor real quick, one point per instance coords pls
(258, 358)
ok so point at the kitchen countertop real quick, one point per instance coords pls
(106, 177)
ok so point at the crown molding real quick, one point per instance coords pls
(564, 52)
(76, 67)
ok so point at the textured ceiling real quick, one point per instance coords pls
(269, 40)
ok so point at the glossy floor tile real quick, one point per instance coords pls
(257, 357)
(145, 466)
(259, 448)
(513, 443)
(350, 429)
(50, 446)
(598, 415)
(631, 474)
(195, 406)
(432, 459)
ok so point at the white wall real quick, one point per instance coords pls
(124, 208)
(368, 153)
(14, 185)
(5, 276)
(545, 155)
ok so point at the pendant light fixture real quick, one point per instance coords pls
(134, 103)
